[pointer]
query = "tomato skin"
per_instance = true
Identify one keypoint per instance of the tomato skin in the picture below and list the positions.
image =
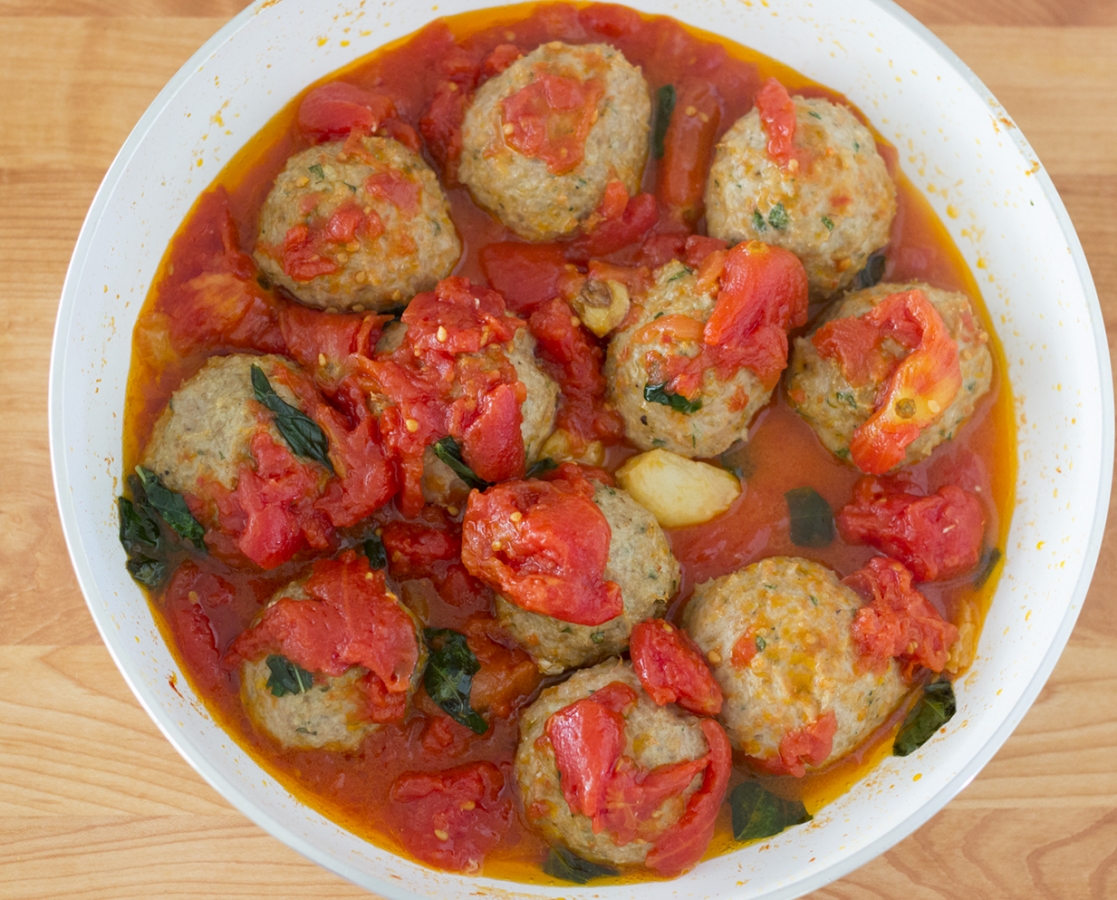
(492, 444)
(194, 634)
(801, 747)
(588, 740)
(526, 275)
(898, 621)
(612, 234)
(936, 537)
(672, 669)
(683, 845)
(687, 148)
(544, 545)
(451, 819)
(349, 618)
(918, 388)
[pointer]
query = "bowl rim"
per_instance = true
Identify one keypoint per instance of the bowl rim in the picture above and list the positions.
(164, 719)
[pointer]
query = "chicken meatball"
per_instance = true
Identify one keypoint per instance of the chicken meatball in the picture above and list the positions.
(838, 374)
(831, 204)
(702, 425)
(653, 736)
(779, 640)
(339, 616)
(499, 537)
(260, 497)
(542, 140)
(356, 225)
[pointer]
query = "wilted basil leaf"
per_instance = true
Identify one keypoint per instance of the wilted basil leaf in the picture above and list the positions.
(172, 508)
(935, 708)
(541, 467)
(665, 105)
(989, 560)
(449, 676)
(147, 571)
(450, 453)
(561, 863)
(287, 677)
(301, 432)
(375, 552)
(655, 393)
(812, 520)
(871, 274)
(758, 813)
(738, 460)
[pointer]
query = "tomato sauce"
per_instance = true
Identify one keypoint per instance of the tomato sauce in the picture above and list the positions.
(782, 452)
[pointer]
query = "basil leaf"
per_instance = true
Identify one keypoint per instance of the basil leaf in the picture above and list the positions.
(812, 520)
(136, 531)
(561, 863)
(935, 708)
(739, 461)
(375, 552)
(871, 274)
(147, 571)
(828, 222)
(172, 508)
(287, 677)
(541, 467)
(301, 432)
(449, 676)
(777, 217)
(655, 393)
(758, 221)
(989, 560)
(758, 813)
(450, 453)
(316, 170)
(665, 105)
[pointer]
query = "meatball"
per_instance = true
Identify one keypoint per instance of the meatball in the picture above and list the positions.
(653, 736)
(544, 192)
(640, 562)
(778, 637)
(717, 415)
(356, 226)
(835, 408)
(333, 712)
(205, 433)
(832, 213)
(441, 485)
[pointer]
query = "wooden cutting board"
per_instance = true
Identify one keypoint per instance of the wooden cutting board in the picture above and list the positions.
(94, 803)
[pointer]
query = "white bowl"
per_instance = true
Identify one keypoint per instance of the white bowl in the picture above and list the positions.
(952, 134)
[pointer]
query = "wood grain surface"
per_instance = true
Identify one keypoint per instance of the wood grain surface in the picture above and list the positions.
(94, 803)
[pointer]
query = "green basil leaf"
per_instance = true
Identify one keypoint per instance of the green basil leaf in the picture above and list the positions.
(449, 676)
(561, 863)
(287, 677)
(777, 217)
(989, 560)
(316, 171)
(758, 813)
(375, 552)
(871, 274)
(450, 453)
(656, 393)
(665, 105)
(758, 221)
(172, 508)
(301, 432)
(138, 531)
(828, 222)
(933, 710)
(541, 467)
(147, 571)
(812, 520)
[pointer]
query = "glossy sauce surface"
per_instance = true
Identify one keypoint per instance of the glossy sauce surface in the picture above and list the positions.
(782, 452)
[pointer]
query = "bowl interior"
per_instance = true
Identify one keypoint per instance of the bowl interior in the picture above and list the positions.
(955, 143)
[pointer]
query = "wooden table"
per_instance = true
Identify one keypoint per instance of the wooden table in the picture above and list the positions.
(94, 803)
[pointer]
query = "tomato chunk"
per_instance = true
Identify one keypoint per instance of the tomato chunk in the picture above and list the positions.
(525, 274)
(451, 819)
(687, 148)
(544, 546)
(898, 621)
(413, 548)
(194, 633)
(937, 536)
(918, 389)
(777, 116)
(337, 108)
(672, 669)
(616, 231)
(802, 747)
(550, 119)
(348, 618)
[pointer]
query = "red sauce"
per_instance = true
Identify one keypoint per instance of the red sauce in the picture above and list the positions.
(207, 604)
